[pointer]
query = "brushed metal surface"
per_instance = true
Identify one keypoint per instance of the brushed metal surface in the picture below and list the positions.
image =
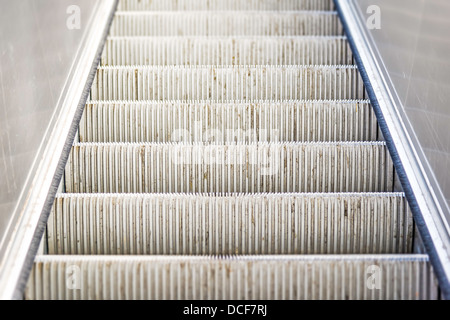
(39, 49)
(36, 55)
(405, 66)
(413, 45)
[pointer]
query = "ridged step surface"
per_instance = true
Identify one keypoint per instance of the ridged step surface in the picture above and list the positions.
(269, 167)
(203, 121)
(340, 277)
(228, 83)
(227, 51)
(202, 224)
(227, 23)
(208, 5)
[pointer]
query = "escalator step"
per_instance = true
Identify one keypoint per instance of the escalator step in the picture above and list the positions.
(228, 122)
(216, 5)
(228, 83)
(233, 278)
(274, 167)
(168, 224)
(227, 51)
(226, 23)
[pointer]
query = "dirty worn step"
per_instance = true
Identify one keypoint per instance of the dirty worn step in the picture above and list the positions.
(303, 277)
(231, 83)
(259, 167)
(227, 51)
(215, 224)
(213, 5)
(226, 23)
(200, 121)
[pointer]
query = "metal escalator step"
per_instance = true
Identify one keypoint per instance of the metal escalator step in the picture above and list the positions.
(227, 152)
(197, 5)
(263, 167)
(227, 51)
(228, 83)
(227, 23)
(233, 278)
(205, 224)
(228, 122)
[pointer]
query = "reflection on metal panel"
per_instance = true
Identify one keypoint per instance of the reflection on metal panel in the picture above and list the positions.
(37, 51)
(414, 44)
(402, 58)
(41, 45)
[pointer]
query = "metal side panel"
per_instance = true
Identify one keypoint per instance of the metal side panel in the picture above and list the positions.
(324, 277)
(49, 51)
(426, 199)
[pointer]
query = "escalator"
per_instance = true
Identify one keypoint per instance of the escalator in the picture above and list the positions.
(228, 150)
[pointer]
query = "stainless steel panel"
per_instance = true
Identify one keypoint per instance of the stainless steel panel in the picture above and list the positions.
(413, 45)
(40, 44)
(37, 52)
(405, 59)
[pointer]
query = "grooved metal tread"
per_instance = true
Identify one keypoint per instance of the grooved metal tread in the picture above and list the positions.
(255, 167)
(226, 23)
(227, 122)
(211, 224)
(223, 83)
(227, 51)
(226, 5)
(337, 277)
